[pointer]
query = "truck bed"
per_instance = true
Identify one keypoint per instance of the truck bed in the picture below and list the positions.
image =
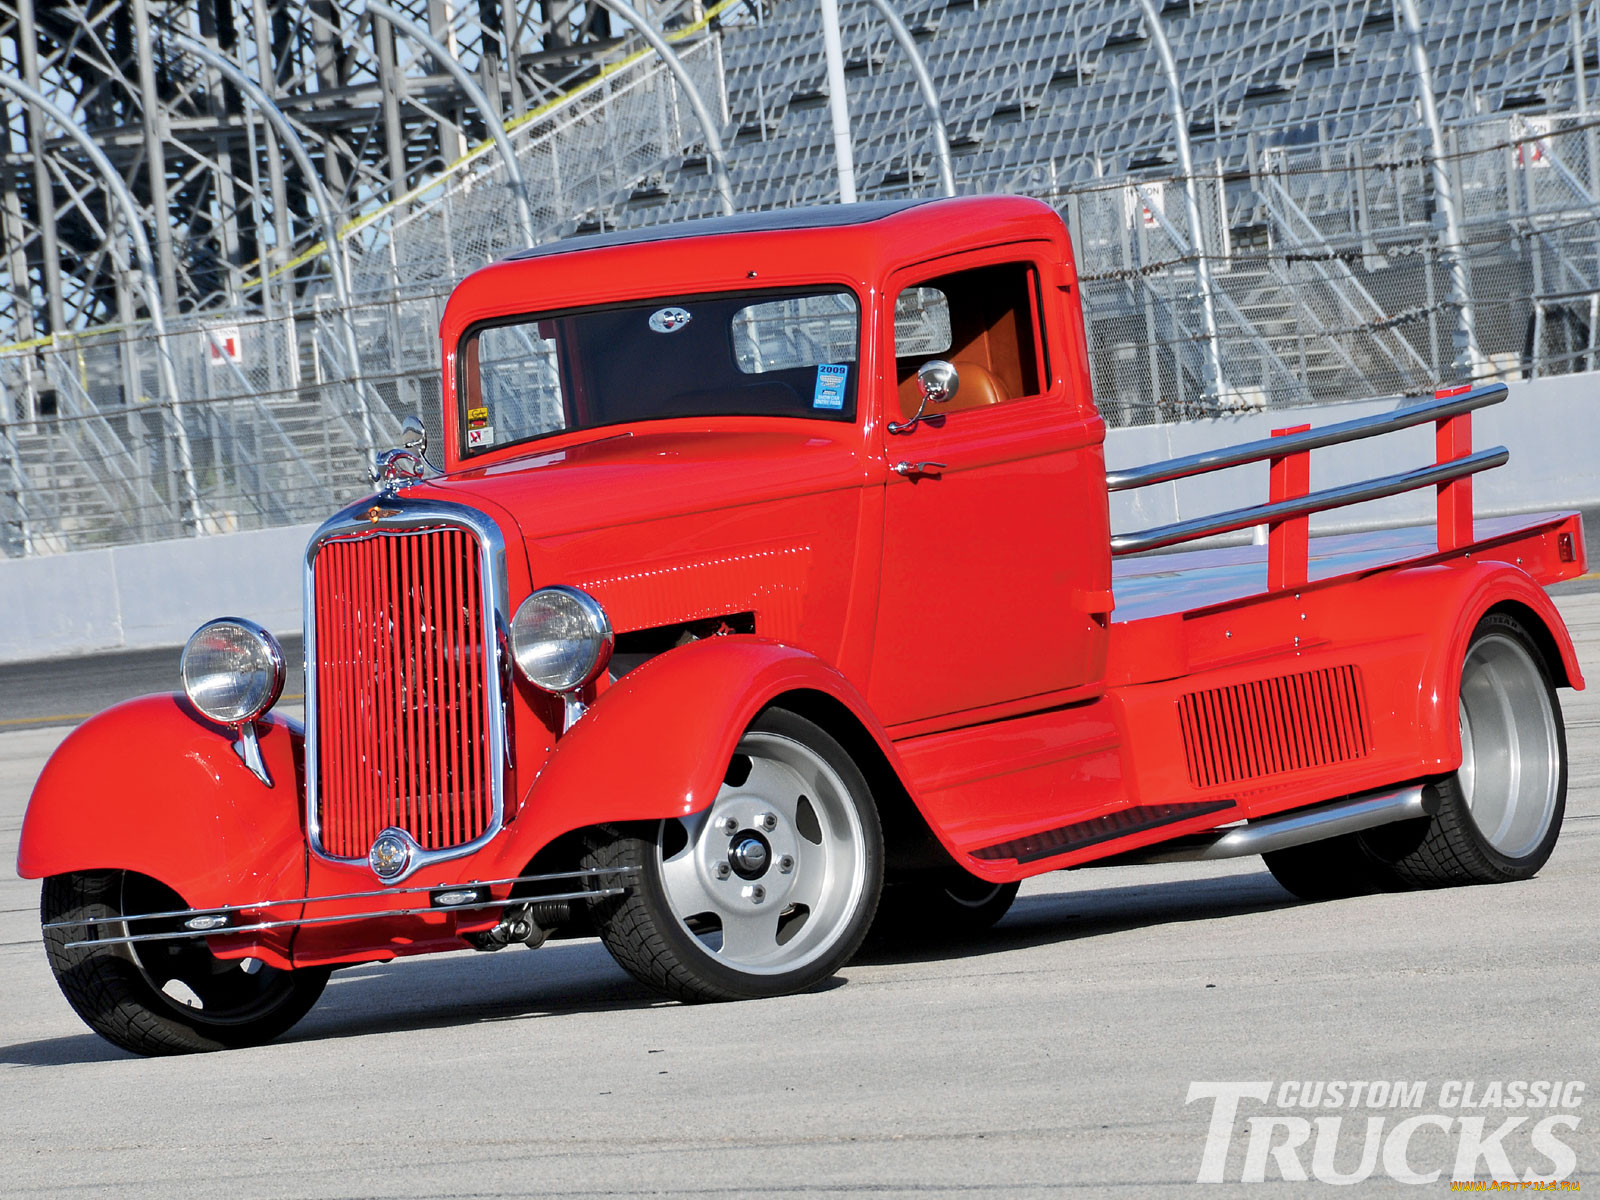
(1158, 585)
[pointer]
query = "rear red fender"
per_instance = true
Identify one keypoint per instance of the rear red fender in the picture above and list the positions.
(1470, 594)
(657, 743)
(151, 786)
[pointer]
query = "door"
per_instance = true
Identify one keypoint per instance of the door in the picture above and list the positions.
(996, 569)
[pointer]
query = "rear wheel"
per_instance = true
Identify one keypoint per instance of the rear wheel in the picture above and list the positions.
(769, 890)
(948, 903)
(1499, 815)
(1332, 869)
(164, 997)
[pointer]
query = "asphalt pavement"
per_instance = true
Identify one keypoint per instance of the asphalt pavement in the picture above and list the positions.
(1054, 1055)
(65, 691)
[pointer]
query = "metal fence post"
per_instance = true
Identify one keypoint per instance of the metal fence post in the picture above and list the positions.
(1180, 132)
(838, 101)
(930, 95)
(147, 277)
(702, 114)
(1468, 358)
(330, 216)
(491, 119)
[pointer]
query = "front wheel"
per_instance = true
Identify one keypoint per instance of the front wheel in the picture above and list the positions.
(161, 997)
(768, 891)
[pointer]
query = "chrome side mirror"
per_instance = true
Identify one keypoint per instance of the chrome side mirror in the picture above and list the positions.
(939, 382)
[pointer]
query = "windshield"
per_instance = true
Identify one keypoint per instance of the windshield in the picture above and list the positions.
(770, 354)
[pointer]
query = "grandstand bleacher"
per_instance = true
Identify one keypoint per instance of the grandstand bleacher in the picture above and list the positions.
(1319, 223)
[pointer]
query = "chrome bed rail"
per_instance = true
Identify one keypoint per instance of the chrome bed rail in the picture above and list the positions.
(1291, 502)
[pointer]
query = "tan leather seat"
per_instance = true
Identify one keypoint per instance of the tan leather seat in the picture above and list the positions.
(979, 387)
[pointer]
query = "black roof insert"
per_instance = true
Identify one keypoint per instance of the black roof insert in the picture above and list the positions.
(818, 216)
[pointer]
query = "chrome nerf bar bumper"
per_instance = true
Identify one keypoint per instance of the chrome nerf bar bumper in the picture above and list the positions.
(217, 922)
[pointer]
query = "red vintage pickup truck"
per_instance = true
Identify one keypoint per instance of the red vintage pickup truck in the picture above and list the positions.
(768, 573)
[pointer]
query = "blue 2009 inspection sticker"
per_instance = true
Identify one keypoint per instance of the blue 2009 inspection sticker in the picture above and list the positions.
(830, 385)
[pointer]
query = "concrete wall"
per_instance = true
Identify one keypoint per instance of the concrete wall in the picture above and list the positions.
(149, 595)
(1550, 426)
(156, 594)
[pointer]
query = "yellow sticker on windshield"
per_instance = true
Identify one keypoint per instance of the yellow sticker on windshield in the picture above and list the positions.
(477, 416)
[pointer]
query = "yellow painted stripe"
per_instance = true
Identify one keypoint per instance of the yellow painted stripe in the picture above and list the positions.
(316, 249)
(65, 335)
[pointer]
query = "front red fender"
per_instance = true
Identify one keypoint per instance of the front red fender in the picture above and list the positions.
(1469, 593)
(657, 743)
(150, 786)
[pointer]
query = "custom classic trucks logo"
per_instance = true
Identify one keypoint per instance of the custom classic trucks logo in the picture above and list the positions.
(1488, 1136)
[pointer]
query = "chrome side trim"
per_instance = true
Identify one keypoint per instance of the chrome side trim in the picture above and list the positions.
(399, 516)
(1287, 829)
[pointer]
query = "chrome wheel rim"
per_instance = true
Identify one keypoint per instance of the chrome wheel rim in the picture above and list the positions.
(768, 879)
(1510, 774)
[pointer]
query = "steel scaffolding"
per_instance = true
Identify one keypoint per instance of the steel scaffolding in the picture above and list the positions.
(213, 319)
(228, 210)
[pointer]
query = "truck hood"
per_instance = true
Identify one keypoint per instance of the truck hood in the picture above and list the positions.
(632, 476)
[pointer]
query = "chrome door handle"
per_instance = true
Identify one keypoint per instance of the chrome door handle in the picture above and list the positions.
(912, 469)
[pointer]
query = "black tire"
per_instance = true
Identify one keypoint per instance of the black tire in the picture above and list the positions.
(1333, 869)
(951, 903)
(837, 851)
(1504, 672)
(118, 989)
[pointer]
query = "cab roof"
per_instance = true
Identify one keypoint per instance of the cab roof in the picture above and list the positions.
(854, 244)
(817, 216)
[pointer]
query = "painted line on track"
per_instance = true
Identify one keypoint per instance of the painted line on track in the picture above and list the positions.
(73, 718)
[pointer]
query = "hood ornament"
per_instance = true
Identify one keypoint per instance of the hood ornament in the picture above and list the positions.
(404, 466)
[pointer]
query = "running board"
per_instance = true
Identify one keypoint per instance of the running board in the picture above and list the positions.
(1288, 829)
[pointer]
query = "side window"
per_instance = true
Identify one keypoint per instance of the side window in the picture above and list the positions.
(512, 381)
(986, 322)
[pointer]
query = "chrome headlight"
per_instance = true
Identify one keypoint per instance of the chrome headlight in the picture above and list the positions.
(561, 638)
(232, 670)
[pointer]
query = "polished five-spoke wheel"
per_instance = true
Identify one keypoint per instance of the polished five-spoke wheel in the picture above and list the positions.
(1497, 816)
(1500, 813)
(768, 890)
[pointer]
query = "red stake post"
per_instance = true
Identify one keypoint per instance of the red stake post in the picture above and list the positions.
(1289, 539)
(1453, 439)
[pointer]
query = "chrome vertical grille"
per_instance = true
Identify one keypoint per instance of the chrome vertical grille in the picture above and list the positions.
(404, 703)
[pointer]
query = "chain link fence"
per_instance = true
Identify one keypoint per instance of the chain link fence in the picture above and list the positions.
(1325, 280)
(272, 424)
(1328, 275)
